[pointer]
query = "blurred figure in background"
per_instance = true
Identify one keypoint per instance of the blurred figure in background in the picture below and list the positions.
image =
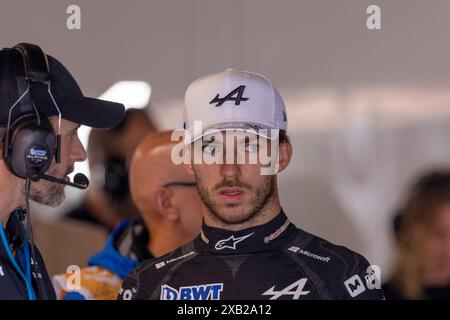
(171, 215)
(422, 229)
(108, 201)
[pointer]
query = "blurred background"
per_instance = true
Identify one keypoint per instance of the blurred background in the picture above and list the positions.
(368, 110)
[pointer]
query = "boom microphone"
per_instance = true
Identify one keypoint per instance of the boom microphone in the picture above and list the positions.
(80, 181)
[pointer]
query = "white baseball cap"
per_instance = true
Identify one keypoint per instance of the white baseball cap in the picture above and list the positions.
(233, 100)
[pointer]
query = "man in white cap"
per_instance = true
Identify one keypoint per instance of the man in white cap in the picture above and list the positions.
(247, 248)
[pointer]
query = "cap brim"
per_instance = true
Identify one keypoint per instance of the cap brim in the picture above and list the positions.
(260, 130)
(95, 113)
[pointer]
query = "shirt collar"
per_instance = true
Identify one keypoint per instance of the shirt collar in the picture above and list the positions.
(14, 232)
(254, 239)
(132, 240)
(14, 229)
(125, 248)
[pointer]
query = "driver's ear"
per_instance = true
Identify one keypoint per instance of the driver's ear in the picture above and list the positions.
(285, 155)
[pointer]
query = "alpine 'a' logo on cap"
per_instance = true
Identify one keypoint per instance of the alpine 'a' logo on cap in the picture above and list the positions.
(235, 95)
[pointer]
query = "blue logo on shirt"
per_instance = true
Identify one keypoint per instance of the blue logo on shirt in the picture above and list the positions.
(201, 292)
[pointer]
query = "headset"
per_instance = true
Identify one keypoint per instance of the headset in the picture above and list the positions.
(30, 142)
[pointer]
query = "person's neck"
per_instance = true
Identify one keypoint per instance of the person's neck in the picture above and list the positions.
(10, 195)
(266, 214)
(165, 238)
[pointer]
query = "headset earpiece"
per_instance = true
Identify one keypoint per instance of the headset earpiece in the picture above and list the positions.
(31, 145)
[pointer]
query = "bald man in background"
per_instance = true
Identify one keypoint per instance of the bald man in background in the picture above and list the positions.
(171, 216)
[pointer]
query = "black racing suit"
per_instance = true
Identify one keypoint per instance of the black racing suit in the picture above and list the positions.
(272, 261)
(19, 274)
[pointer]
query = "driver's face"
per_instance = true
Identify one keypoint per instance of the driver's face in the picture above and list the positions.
(234, 193)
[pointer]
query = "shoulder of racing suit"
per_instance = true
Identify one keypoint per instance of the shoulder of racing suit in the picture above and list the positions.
(343, 273)
(137, 285)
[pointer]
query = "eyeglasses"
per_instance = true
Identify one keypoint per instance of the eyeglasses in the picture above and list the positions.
(180, 184)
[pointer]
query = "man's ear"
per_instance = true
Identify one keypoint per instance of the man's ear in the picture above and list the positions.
(285, 155)
(164, 205)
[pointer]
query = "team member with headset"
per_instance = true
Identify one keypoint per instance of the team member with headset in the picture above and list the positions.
(41, 108)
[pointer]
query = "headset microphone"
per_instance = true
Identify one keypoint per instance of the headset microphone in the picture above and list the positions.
(80, 181)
